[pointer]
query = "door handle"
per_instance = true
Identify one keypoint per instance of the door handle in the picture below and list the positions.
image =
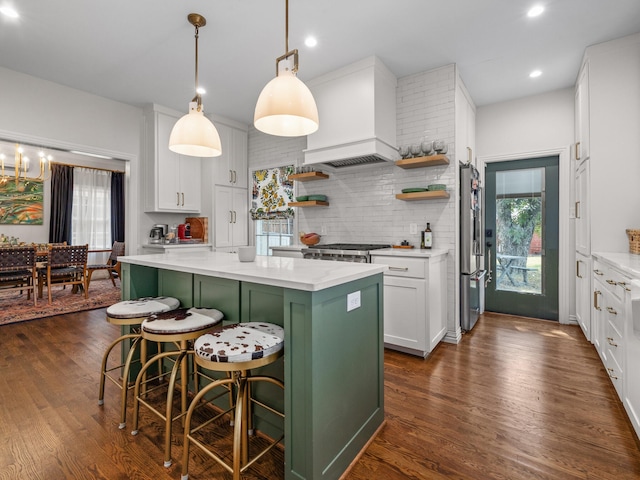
(235, 177)
(595, 299)
(183, 199)
(230, 176)
(576, 213)
(578, 269)
(234, 216)
(177, 199)
(230, 216)
(577, 150)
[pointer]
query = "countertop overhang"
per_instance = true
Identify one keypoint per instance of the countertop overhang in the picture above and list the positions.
(295, 273)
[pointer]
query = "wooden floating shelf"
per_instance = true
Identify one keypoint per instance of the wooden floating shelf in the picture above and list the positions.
(309, 203)
(417, 162)
(307, 176)
(436, 194)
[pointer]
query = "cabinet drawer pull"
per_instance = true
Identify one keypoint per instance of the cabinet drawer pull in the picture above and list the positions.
(624, 285)
(612, 282)
(598, 272)
(399, 269)
(610, 372)
(611, 342)
(611, 311)
(595, 299)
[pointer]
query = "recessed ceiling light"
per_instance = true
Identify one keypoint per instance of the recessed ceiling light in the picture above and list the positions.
(535, 74)
(201, 90)
(535, 11)
(310, 41)
(9, 12)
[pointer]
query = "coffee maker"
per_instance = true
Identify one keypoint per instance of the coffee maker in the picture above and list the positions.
(158, 233)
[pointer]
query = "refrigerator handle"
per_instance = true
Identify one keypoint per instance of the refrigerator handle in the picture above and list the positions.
(489, 270)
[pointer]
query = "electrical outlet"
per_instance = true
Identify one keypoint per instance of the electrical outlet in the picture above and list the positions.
(413, 228)
(353, 301)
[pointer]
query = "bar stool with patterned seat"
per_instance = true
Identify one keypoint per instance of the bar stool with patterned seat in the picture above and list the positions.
(130, 313)
(236, 350)
(179, 327)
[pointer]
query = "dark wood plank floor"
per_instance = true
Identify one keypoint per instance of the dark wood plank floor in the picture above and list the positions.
(517, 399)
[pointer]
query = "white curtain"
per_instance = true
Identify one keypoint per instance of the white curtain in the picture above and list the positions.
(91, 215)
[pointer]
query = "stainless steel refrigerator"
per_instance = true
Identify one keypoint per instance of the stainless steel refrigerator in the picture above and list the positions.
(471, 241)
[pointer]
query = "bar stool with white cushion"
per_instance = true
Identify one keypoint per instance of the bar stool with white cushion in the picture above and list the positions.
(179, 327)
(236, 349)
(130, 313)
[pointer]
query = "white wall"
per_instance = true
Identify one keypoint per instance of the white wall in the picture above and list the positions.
(45, 113)
(528, 124)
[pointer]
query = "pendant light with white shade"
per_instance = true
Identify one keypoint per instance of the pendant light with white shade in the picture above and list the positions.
(194, 134)
(286, 107)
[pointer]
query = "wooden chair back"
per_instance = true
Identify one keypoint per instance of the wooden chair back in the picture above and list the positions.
(18, 269)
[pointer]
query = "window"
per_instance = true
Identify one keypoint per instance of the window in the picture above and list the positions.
(273, 233)
(91, 212)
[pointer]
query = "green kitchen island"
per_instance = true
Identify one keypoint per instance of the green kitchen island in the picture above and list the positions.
(333, 362)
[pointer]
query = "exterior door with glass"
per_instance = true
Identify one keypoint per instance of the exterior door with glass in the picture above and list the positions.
(521, 208)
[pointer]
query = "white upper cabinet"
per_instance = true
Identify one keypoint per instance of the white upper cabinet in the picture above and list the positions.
(231, 207)
(171, 181)
(231, 167)
(582, 127)
(465, 125)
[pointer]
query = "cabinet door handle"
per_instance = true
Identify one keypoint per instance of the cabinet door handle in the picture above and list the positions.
(577, 150)
(611, 342)
(177, 199)
(578, 269)
(230, 216)
(576, 213)
(612, 311)
(230, 176)
(610, 372)
(234, 216)
(183, 199)
(598, 272)
(469, 154)
(399, 269)
(595, 299)
(235, 177)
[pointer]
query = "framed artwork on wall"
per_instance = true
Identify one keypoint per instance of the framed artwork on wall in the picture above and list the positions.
(21, 202)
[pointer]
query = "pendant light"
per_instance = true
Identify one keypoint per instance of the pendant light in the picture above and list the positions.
(194, 134)
(286, 107)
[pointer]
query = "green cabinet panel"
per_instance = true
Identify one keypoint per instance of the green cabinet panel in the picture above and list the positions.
(335, 368)
(176, 284)
(219, 293)
(138, 281)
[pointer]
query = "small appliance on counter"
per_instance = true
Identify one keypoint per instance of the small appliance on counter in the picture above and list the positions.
(184, 231)
(158, 233)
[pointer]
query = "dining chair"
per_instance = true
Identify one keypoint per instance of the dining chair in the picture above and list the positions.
(112, 265)
(18, 270)
(66, 265)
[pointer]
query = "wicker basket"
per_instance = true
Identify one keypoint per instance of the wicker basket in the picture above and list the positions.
(634, 240)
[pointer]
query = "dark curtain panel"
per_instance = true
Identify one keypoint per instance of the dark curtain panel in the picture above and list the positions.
(117, 206)
(61, 203)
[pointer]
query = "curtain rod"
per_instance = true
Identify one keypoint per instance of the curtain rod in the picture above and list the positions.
(92, 168)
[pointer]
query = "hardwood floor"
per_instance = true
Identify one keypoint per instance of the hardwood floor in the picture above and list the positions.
(517, 399)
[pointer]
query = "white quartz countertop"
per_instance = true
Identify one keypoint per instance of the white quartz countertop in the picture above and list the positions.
(628, 263)
(295, 273)
(409, 252)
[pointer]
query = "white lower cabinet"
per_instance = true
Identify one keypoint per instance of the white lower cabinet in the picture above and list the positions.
(231, 218)
(415, 312)
(583, 292)
(619, 312)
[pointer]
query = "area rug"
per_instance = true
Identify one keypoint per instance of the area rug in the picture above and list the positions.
(15, 307)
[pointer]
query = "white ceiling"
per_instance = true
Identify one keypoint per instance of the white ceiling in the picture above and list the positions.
(142, 51)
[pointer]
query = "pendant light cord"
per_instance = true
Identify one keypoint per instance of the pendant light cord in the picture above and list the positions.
(286, 26)
(197, 98)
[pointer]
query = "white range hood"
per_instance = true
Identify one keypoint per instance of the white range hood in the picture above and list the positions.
(357, 110)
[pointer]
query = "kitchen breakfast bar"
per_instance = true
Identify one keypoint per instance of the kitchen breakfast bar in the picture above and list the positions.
(333, 356)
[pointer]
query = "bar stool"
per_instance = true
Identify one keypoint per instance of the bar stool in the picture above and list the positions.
(130, 313)
(179, 327)
(236, 350)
